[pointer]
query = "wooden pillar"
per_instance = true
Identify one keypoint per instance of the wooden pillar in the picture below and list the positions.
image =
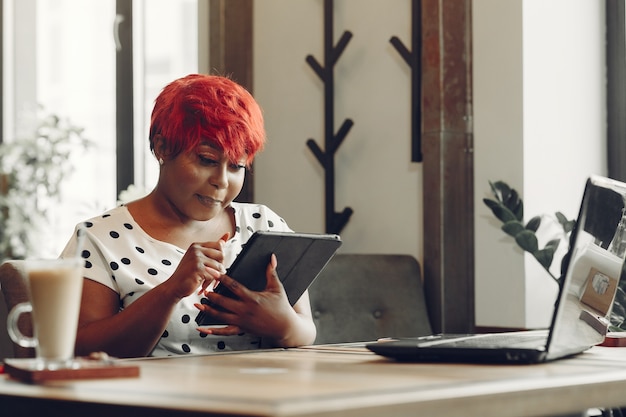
(448, 164)
(230, 43)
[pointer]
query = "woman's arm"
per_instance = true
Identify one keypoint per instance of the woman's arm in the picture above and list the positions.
(135, 330)
(302, 330)
(131, 332)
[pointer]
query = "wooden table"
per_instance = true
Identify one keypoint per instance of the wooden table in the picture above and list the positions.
(320, 382)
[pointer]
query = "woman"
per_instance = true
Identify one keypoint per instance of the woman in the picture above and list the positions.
(148, 263)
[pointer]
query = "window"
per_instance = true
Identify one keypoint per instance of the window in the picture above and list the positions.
(165, 44)
(61, 57)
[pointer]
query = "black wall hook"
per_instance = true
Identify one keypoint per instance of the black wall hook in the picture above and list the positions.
(335, 221)
(414, 60)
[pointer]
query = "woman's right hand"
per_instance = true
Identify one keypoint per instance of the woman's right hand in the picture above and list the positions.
(200, 265)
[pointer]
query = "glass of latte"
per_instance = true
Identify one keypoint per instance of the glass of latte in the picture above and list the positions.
(55, 288)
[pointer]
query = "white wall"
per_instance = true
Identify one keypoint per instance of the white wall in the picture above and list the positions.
(538, 124)
(498, 155)
(539, 109)
(374, 175)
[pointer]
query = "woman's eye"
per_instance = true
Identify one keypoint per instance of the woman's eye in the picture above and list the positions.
(206, 160)
(237, 167)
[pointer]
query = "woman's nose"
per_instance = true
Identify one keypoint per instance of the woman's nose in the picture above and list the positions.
(219, 176)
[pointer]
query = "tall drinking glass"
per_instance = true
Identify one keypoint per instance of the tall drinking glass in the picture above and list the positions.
(55, 289)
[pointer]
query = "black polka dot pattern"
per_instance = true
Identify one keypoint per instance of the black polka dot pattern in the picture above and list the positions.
(85, 255)
(119, 254)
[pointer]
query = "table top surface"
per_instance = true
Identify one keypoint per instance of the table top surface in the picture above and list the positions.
(333, 381)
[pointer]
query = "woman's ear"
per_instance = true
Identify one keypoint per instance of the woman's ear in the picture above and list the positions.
(159, 147)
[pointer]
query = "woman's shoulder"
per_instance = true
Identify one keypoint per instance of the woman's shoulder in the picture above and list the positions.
(114, 214)
(249, 207)
(258, 216)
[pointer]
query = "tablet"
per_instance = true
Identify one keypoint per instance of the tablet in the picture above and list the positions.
(301, 257)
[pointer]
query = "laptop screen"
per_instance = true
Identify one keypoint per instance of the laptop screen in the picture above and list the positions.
(592, 269)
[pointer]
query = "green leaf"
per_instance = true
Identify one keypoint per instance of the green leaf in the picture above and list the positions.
(512, 200)
(568, 225)
(534, 223)
(503, 214)
(527, 241)
(514, 203)
(561, 217)
(490, 203)
(519, 211)
(508, 197)
(544, 256)
(512, 227)
(501, 190)
(553, 244)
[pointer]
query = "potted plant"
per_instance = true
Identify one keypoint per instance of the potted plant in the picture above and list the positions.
(508, 207)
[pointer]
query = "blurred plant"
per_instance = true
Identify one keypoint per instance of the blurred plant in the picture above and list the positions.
(508, 207)
(31, 172)
(131, 193)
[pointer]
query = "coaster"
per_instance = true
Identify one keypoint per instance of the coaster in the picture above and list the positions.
(615, 339)
(30, 370)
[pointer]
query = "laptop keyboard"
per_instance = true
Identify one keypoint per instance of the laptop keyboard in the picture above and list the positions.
(521, 340)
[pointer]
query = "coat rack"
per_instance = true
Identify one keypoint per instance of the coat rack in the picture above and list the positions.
(414, 60)
(335, 221)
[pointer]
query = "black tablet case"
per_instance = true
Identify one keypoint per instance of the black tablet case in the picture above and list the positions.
(301, 257)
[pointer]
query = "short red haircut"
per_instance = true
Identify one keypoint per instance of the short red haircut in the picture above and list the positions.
(209, 107)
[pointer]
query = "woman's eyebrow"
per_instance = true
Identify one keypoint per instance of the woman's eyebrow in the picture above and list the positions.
(208, 143)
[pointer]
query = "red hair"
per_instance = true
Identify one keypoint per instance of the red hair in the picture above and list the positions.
(208, 107)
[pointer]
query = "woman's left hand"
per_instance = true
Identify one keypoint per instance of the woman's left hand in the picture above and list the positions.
(264, 313)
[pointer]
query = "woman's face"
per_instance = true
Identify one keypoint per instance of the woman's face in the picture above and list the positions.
(201, 182)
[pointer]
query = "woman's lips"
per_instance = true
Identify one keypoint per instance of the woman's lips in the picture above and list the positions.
(208, 201)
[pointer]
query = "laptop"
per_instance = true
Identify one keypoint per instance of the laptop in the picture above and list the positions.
(591, 270)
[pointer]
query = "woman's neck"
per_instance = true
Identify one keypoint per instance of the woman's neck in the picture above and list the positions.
(177, 230)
